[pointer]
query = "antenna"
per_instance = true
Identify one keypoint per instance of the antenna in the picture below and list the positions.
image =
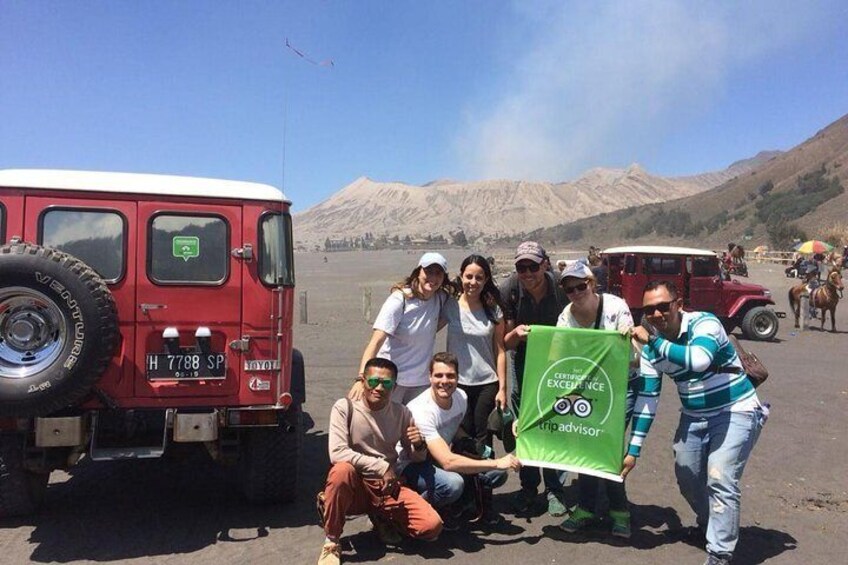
(302, 55)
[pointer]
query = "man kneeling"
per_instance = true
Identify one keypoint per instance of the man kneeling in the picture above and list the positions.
(438, 413)
(362, 441)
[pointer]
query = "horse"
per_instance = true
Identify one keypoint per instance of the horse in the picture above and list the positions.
(825, 297)
(737, 254)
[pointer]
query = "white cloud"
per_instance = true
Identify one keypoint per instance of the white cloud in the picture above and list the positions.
(598, 82)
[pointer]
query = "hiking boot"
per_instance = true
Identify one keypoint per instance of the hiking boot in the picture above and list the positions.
(331, 554)
(555, 506)
(620, 523)
(523, 500)
(578, 520)
(386, 530)
(716, 560)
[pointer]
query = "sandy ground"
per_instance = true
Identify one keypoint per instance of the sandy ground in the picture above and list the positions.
(795, 499)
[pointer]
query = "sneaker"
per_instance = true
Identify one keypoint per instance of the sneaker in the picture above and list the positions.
(620, 523)
(578, 520)
(331, 554)
(523, 500)
(555, 506)
(386, 531)
(716, 560)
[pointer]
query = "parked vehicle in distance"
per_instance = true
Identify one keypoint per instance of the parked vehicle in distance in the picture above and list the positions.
(140, 313)
(697, 274)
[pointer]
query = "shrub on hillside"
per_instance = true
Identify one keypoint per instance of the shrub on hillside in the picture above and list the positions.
(783, 234)
(811, 190)
(835, 234)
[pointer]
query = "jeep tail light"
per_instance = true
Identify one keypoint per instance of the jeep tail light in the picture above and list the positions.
(285, 400)
(171, 337)
(252, 417)
(203, 337)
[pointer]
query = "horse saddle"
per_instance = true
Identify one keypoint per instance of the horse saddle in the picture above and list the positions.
(814, 292)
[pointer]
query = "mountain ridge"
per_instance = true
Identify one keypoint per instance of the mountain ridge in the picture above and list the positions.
(489, 209)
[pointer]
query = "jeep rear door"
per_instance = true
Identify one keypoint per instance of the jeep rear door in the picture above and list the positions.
(101, 233)
(267, 305)
(188, 282)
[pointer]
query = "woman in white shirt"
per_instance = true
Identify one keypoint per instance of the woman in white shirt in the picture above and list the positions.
(405, 329)
(476, 336)
(591, 310)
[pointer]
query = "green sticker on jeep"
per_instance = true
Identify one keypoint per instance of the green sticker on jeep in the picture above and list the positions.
(186, 247)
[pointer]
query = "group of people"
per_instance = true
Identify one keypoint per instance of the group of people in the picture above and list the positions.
(411, 444)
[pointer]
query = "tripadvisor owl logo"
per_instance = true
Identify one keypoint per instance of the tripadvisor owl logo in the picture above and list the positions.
(579, 393)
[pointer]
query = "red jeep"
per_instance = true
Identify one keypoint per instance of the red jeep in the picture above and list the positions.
(145, 314)
(697, 274)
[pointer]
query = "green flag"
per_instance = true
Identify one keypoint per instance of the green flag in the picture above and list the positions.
(573, 401)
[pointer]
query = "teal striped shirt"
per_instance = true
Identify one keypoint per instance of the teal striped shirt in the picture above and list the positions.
(694, 361)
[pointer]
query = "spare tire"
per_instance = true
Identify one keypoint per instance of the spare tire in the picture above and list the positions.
(58, 329)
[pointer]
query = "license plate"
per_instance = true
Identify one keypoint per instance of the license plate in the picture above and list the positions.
(186, 366)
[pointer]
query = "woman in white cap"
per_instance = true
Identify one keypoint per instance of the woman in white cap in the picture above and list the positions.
(405, 328)
(590, 310)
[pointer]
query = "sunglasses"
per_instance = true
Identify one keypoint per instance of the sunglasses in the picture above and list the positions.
(374, 382)
(661, 307)
(532, 267)
(576, 288)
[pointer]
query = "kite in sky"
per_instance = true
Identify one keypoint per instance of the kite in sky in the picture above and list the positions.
(302, 55)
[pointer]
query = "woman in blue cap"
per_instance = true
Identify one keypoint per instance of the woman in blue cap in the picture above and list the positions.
(405, 328)
(589, 309)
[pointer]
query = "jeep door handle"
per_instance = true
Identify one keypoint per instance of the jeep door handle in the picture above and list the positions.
(146, 308)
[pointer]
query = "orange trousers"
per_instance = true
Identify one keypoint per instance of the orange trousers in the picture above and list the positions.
(347, 493)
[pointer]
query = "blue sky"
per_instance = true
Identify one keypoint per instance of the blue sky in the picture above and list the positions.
(418, 90)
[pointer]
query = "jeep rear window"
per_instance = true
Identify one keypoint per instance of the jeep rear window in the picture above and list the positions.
(95, 237)
(2, 223)
(188, 249)
(276, 263)
(661, 265)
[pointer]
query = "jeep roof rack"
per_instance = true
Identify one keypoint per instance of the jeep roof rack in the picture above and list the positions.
(57, 179)
(660, 250)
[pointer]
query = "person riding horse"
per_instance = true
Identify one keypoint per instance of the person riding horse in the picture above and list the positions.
(812, 282)
(826, 296)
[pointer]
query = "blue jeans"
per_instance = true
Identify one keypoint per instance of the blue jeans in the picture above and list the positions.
(441, 488)
(437, 486)
(709, 457)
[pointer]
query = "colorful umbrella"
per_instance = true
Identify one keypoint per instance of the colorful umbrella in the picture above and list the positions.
(813, 246)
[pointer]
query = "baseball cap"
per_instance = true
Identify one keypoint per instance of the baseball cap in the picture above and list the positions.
(432, 258)
(577, 270)
(531, 251)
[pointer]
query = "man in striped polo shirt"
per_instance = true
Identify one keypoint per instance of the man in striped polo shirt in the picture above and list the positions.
(721, 416)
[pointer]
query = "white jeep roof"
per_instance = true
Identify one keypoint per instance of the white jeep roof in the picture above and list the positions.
(659, 250)
(55, 179)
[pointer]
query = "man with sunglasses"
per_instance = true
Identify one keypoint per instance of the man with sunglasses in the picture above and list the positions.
(532, 297)
(363, 435)
(438, 413)
(721, 416)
